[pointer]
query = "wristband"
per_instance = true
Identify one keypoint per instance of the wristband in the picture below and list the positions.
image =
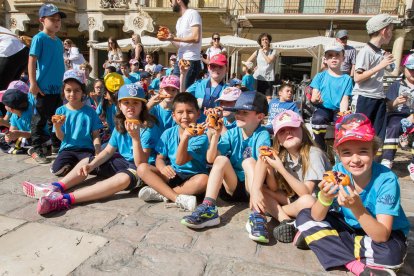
(326, 204)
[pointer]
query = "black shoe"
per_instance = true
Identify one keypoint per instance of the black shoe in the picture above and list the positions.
(299, 241)
(285, 231)
(377, 271)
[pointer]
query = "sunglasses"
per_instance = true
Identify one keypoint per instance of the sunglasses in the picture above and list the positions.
(344, 38)
(216, 38)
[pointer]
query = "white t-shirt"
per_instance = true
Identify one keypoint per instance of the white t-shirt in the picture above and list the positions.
(212, 51)
(188, 51)
(9, 45)
(75, 57)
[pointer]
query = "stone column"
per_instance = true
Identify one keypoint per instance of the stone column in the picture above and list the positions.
(397, 48)
(93, 53)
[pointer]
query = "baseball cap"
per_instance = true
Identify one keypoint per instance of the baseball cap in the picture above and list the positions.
(158, 68)
(131, 91)
(133, 61)
(73, 74)
(287, 118)
(49, 10)
(173, 57)
(17, 84)
(341, 33)
(170, 81)
(353, 127)
(230, 94)
(248, 64)
(378, 22)
(251, 101)
(219, 59)
(335, 47)
(113, 81)
(15, 99)
(409, 62)
(144, 75)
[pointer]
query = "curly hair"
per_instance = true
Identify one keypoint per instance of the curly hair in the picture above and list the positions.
(259, 39)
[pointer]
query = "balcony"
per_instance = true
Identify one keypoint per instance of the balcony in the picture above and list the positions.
(344, 7)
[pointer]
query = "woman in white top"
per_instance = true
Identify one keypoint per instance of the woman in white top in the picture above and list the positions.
(73, 58)
(115, 57)
(216, 48)
(264, 72)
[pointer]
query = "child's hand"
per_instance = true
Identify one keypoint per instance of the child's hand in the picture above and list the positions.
(349, 198)
(257, 201)
(85, 170)
(328, 190)
(155, 100)
(316, 97)
(411, 118)
(273, 161)
(387, 60)
(168, 172)
(399, 100)
(132, 129)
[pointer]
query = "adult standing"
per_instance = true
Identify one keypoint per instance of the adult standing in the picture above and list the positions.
(264, 71)
(215, 48)
(138, 52)
(115, 57)
(73, 58)
(348, 65)
(188, 41)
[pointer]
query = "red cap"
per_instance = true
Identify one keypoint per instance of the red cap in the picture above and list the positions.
(353, 127)
(219, 59)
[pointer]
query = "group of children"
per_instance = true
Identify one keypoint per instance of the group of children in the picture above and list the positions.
(169, 147)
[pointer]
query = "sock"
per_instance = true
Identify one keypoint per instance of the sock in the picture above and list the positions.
(355, 267)
(209, 201)
(70, 198)
(60, 185)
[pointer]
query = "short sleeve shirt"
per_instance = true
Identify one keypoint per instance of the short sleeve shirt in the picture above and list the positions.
(164, 117)
(188, 51)
(248, 82)
(110, 114)
(349, 59)
(276, 107)
(397, 89)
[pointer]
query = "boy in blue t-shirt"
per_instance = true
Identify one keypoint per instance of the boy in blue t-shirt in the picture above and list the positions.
(330, 94)
(234, 156)
(248, 79)
(283, 103)
(128, 78)
(180, 171)
(46, 68)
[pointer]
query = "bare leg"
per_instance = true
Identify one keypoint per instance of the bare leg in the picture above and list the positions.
(249, 165)
(273, 205)
(303, 202)
(222, 170)
(73, 178)
(193, 186)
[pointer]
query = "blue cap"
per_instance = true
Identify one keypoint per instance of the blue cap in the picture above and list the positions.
(132, 91)
(49, 10)
(75, 75)
(158, 68)
(144, 75)
(251, 101)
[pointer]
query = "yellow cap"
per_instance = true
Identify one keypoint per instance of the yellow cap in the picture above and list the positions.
(113, 81)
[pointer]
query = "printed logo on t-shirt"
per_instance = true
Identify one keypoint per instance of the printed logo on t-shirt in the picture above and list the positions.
(247, 153)
(387, 199)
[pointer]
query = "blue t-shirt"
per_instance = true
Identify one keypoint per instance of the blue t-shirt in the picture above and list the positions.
(78, 127)
(137, 76)
(168, 71)
(332, 88)
(50, 65)
(380, 196)
(248, 82)
(110, 114)
(123, 142)
(197, 148)
(155, 84)
(233, 145)
(229, 125)
(276, 107)
(164, 117)
(131, 79)
(23, 122)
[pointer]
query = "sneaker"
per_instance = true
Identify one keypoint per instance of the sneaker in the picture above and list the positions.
(148, 194)
(55, 150)
(410, 168)
(300, 242)
(203, 216)
(186, 202)
(38, 190)
(256, 227)
(52, 202)
(387, 163)
(377, 271)
(40, 158)
(285, 231)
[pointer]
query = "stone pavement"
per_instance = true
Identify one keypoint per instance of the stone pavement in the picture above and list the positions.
(125, 236)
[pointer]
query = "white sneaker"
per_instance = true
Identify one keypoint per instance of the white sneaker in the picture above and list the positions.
(149, 194)
(410, 168)
(186, 202)
(387, 163)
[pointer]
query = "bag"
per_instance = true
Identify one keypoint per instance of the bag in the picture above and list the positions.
(26, 40)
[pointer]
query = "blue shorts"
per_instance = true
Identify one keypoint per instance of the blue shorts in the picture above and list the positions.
(66, 160)
(180, 179)
(239, 195)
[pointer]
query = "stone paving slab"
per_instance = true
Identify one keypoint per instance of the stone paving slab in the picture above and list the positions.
(40, 249)
(8, 224)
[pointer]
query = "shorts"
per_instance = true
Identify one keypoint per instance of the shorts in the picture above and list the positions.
(180, 178)
(66, 160)
(265, 87)
(118, 164)
(239, 195)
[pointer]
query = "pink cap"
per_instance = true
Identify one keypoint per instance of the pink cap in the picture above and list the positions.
(170, 81)
(173, 57)
(287, 118)
(230, 94)
(17, 84)
(219, 59)
(133, 61)
(353, 127)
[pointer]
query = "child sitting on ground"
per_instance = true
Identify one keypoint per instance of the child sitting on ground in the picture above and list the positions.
(128, 78)
(233, 156)
(180, 171)
(368, 232)
(228, 98)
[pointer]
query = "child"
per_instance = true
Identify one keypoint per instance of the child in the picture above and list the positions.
(173, 60)
(107, 108)
(150, 66)
(368, 94)
(291, 174)
(158, 73)
(135, 144)
(95, 96)
(128, 78)
(46, 68)
(135, 69)
(86, 68)
(283, 103)
(400, 100)
(330, 94)
(228, 98)
(162, 108)
(370, 228)
(180, 171)
(248, 79)
(233, 156)
(79, 130)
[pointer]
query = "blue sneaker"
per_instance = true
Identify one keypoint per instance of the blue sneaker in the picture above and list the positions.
(257, 227)
(203, 216)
